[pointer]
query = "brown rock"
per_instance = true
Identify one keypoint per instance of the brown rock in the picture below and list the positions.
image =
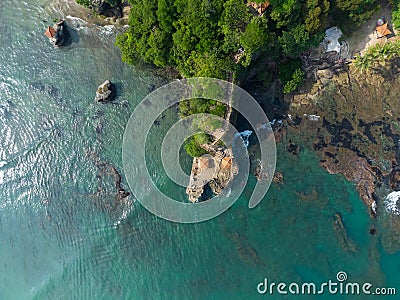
(354, 168)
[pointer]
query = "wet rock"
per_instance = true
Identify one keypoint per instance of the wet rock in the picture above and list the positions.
(105, 92)
(340, 230)
(293, 148)
(354, 168)
(57, 34)
(372, 230)
(278, 177)
(394, 178)
(325, 76)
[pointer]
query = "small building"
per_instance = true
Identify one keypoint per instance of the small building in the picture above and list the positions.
(382, 30)
(226, 163)
(205, 163)
(50, 32)
(259, 7)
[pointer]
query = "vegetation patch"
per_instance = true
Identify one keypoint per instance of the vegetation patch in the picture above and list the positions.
(377, 55)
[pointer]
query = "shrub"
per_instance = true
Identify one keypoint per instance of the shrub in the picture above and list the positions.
(291, 75)
(192, 144)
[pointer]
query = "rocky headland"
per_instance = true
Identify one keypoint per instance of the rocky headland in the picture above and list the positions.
(57, 34)
(351, 119)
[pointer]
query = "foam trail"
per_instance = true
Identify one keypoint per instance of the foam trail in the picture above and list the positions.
(245, 137)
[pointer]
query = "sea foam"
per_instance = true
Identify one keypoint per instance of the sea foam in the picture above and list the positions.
(245, 137)
(392, 203)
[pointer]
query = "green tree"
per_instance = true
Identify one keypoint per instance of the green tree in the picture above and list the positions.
(357, 10)
(85, 3)
(295, 41)
(294, 82)
(286, 12)
(396, 13)
(291, 75)
(256, 38)
(192, 144)
(317, 15)
(233, 22)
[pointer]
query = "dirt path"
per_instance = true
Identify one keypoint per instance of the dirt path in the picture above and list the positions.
(365, 36)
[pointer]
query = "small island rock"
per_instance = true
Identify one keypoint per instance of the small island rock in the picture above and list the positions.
(105, 92)
(57, 33)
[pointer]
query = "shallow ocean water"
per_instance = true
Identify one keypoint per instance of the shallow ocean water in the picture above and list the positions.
(62, 235)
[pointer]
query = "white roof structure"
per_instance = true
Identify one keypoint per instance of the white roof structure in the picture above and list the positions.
(331, 41)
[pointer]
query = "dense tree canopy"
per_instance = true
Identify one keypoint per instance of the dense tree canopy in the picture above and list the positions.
(213, 38)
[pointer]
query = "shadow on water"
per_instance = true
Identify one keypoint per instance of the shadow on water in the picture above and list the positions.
(71, 36)
(118, 89)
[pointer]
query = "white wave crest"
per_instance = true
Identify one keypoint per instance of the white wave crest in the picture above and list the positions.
(392, 203)
(77, 20)
(245, 136)
(107, 30)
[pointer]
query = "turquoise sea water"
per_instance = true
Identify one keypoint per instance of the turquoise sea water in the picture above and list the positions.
(62, 234)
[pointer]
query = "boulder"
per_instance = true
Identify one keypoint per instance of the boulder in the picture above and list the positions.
(59, 37)
(104, 8)
(105, 92)
(57, 33)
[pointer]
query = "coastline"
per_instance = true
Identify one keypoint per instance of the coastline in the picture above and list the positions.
(70, 9)
(66, 232)
(355, 131)
(343, 133)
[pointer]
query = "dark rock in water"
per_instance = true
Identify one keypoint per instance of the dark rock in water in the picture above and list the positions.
(122, 194)
(46, 88)
(57, 33)
(152, 87)
(293, 148)
(372, 230)
(278, 177)
(105, 92)
(341, 233)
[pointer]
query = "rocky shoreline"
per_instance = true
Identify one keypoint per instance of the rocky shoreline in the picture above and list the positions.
(349, 118)
(100, 15)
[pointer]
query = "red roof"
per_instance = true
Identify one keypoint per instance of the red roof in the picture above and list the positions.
(383, 30)
(50, 32)
(226, 162)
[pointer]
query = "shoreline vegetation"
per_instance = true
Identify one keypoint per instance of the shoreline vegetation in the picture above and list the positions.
(346, 114)
(218, 38)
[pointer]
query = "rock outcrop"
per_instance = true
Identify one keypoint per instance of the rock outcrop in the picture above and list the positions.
(211, 172)
(105, 92)
(109, 12)
(57, 33)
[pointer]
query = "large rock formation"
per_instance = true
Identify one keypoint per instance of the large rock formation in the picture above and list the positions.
(57, 33)
(105, 92)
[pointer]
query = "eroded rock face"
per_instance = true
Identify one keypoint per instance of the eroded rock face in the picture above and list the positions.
(358, 132)
(105, 92)
(355, 168)
(57, 34)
